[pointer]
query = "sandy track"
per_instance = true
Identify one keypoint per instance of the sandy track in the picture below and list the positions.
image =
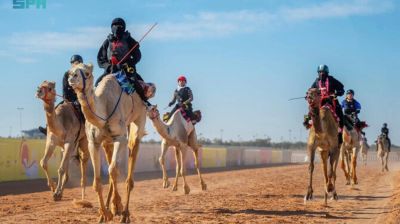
(262, 195)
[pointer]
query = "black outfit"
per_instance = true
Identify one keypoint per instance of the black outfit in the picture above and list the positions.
(184, 97)
(351, 111)
(385, 131)
(68, 92)
(335, 88)
(112, 51)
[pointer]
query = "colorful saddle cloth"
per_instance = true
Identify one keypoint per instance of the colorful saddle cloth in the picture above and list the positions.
(123, 80)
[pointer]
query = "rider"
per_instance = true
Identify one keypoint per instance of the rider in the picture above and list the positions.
(183, 96)
(68, 93)
(114, 49)
(385, 130)
(330, 88)
(351, 109)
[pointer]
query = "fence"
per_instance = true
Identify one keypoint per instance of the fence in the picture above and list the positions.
(19, 159)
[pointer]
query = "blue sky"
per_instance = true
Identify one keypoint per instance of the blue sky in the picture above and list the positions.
(243, 59)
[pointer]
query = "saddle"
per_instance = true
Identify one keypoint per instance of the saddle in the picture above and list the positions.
(128, 85)
(195, 119)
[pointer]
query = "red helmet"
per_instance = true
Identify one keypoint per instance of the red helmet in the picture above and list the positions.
(182, 78)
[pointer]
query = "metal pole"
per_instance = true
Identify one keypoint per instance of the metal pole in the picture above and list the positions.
(20, 119)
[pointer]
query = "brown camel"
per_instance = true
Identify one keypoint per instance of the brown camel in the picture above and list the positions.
(324, 137)
(110, 114)
(64, 129)
(348, 154)
(383, 151)
(364, 149)
(181, 135)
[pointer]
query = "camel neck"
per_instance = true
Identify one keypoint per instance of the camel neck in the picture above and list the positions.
(88, 105)
(316, 119)
(51, 118)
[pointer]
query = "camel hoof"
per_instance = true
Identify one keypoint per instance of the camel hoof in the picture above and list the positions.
(166, 184)
(204, 187)
(334, 196)
(105, 216)
(125, 217)
(187, 189)
(116, 210)
(175, 188)
(57, 196)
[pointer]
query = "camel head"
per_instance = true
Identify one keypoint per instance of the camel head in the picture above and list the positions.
(313, 97)
(46, 91)
(153, 112)
(80, 77)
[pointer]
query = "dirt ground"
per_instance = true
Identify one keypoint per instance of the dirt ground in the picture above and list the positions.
(260, 195)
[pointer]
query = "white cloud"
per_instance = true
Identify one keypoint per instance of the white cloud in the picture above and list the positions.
(199, 25)
(337, 9)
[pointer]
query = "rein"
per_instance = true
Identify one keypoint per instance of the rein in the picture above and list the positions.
(87, 101)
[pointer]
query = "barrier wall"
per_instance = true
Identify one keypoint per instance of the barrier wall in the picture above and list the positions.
(251, 157)
(19, 159)
(214, 157)
(234, 157)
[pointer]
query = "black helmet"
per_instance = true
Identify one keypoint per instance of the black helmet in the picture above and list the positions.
(119, 21)
(384, 125)
(323, 68)
(76, 57)
(350, 91)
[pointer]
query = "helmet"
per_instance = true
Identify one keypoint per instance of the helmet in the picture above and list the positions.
(323, 68)
(384, 124)
(119, 21)
(76, 57)
(350, 91)
(182, 78)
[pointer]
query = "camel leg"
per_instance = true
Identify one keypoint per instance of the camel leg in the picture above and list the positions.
(193, 144)
(134, 142)
(386, 161)
(354, 166)
(178, 168)
(83, 157)
(63, 170)
(164, 148)
(196, 163)
(344, 163)
(311, 156)
(49, 150)
(324, 159)
(183, 170)
(120, 143)
(108, 149)
(334, 159)
(105, 214)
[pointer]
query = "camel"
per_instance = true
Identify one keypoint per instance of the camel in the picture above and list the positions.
(110, 115)
(181, 135)
(383, 151)
(364, 149)
(323, 136)
(66, 131)
(348, 154)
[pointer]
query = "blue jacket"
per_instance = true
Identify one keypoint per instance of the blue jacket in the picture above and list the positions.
(350, 107)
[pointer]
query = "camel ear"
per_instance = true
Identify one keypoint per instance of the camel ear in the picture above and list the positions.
(89, 67)
(52, 83)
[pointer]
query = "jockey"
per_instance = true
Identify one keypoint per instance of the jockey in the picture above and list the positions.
(114, 49)
(385, 130)
(68, 93)
(330, 88)
(351, 109)
(183, 96)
